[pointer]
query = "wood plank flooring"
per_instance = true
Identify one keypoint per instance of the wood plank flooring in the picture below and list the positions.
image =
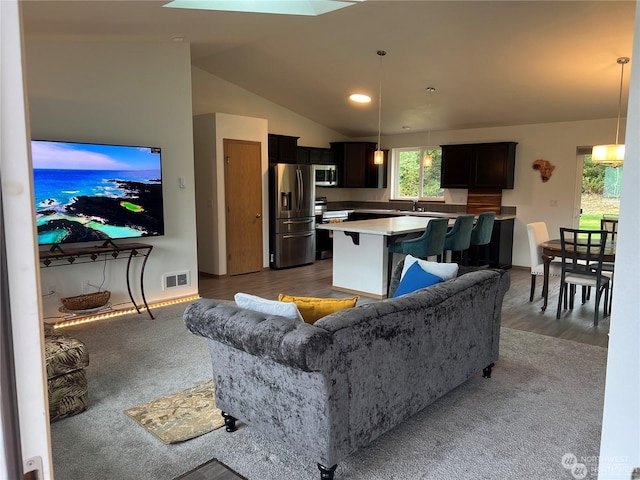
(518, 313)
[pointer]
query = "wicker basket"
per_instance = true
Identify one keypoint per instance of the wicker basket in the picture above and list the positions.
(87, 301)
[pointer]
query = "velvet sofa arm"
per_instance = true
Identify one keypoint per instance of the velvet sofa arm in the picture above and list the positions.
(290, 342)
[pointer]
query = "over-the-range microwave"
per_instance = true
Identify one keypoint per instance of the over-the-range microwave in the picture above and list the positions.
(325, 175)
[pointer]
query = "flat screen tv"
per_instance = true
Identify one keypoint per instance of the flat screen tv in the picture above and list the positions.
(88, 192)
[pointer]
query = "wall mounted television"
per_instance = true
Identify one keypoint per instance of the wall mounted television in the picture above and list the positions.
(88, 192)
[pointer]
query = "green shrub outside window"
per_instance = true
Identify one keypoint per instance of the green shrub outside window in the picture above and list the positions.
(414, 180)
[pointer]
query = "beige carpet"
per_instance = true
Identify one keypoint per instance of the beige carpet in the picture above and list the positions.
(181, 416)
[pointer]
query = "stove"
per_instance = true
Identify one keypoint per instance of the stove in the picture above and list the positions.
(324, 238)
(335, 216)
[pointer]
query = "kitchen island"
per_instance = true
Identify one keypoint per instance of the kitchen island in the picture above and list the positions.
(360, 253)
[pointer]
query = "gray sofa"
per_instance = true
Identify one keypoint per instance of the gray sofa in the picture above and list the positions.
(328, 389)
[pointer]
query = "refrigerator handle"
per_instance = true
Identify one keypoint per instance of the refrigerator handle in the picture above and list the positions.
(300, 189)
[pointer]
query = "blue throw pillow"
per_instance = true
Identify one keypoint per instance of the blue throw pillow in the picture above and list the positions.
(414, 279)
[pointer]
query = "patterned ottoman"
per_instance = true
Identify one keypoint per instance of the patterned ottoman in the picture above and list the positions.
(66, 359)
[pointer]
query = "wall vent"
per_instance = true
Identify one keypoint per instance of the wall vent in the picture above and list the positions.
(176, 279)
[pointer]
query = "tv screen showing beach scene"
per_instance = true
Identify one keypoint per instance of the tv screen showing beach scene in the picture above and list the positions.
(92, 192)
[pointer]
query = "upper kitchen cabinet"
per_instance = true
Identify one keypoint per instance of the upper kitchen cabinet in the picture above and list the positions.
(315, 156)
(321, 156)
(355, 165)
(478, 165)
(283, 149)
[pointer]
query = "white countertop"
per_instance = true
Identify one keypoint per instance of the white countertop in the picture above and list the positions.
(422, 214)
(381, 226)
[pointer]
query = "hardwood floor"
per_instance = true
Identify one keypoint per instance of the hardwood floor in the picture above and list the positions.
(518, 313)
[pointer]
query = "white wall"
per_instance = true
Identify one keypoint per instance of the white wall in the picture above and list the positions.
(212, 94)
(620, 441)
(122, 93)
(209, 132)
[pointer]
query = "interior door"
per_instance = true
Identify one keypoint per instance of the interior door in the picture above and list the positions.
(243, 197)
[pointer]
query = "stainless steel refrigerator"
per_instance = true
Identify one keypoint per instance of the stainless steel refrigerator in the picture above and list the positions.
(292, 233)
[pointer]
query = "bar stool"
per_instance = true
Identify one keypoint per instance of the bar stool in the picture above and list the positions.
(458, 239)
(481, 235)
(429, 244)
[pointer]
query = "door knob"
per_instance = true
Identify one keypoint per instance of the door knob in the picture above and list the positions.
(258, 215)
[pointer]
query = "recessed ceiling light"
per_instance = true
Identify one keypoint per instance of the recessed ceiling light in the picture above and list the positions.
(282, 7)
(406, 127)
(177, 38)
(360, 98)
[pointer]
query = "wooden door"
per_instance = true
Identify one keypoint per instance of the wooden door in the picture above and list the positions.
(243, 198)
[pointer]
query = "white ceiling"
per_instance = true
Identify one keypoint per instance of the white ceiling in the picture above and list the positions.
(492, 63)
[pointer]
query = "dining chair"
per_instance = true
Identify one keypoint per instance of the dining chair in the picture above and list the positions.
(458, 239)
(429, 244)
(538, 234)
(582, 258)
(610, 224)
(481, 236)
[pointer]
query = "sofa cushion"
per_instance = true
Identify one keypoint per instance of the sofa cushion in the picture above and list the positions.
(414, 279)
(446, 271)
(268, 307)
(313, 308)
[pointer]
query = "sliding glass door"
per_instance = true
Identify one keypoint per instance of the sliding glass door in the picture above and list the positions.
(599, 190)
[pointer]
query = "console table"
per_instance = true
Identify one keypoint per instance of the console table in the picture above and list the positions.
(60, 256)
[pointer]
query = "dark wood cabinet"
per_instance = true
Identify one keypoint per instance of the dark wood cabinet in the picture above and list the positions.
(456, 166)
(321, 156)
(478, 165)
(315, 156)
(283, 149)
(304, 155)
(355, 165)
(500, 246)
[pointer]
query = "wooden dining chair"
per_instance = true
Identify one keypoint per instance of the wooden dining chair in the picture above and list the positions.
(610, 224)
(582, 259)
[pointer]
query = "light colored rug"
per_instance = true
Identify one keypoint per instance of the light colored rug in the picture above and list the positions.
(181, 416)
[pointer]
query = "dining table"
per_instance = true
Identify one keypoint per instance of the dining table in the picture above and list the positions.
(553, 248)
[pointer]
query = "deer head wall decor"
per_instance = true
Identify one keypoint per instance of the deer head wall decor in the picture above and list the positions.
(545, 169)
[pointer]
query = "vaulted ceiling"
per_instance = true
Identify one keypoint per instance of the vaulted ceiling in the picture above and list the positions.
(492, 63)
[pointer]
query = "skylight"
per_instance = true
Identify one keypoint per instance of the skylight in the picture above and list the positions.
(280, 7)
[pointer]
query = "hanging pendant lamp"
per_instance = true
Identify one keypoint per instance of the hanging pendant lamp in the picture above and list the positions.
(427, 159)
(378, 156)
(612, 155)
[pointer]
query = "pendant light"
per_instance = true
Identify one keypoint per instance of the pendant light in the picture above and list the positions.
(427, 159)
(612, 155)
(378, 156)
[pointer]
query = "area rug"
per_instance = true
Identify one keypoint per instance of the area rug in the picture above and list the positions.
(181, 416)
(212, 470)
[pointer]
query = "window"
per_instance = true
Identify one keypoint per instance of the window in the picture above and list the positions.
(600, 190)
(411, 179)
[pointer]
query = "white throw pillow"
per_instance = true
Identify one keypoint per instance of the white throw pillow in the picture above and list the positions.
(446, 271)
(268, 307)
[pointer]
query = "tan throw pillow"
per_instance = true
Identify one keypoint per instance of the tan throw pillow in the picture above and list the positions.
(312, 308)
